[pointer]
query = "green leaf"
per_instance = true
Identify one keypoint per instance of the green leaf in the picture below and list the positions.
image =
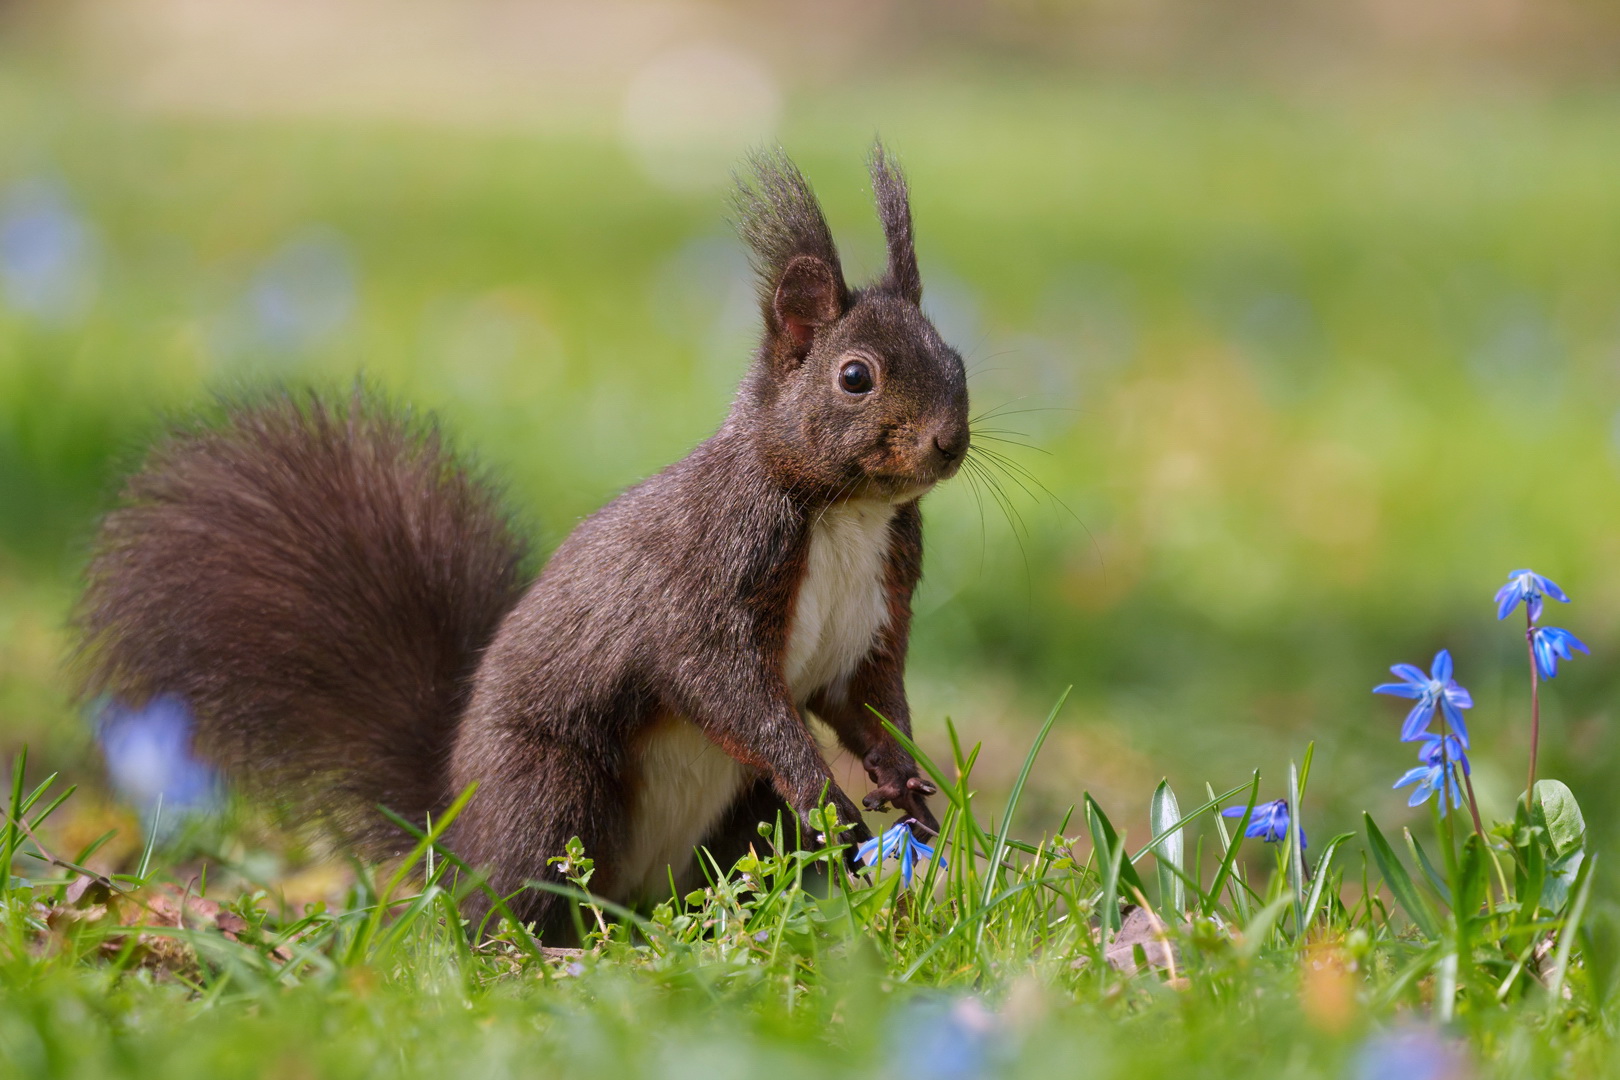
(1555, 809)
(1109, 855)
(1561, 875)
(1473, 879)
(1600, 951)
(1400, 883)
(1168, 849)
(1261, 926)
(1189, 817)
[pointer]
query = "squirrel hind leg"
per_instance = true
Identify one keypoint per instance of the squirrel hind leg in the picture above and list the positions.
(532, 799)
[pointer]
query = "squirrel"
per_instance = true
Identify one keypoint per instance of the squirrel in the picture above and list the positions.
(342, 601)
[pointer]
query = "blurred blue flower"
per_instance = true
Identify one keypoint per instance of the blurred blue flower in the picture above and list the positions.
(1437, 687)
(1550, 644)
(1527, 587)
(148, 754)
(897, 842)
(47, 251)
(305, 292)
(1439, 771)
(945, 1039)
(1417, 1053)
(1269, 823)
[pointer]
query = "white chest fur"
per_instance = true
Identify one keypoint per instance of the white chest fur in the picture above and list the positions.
(842, 604)
(684, 782)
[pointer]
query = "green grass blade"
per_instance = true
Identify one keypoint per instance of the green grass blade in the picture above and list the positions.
(1106, 841)
(1435, 879)
(1112, 860)
(1259, 928)
(955, 791)
(1000, 851)
(1323, 863)
(1400, 883)
(1570, 932)
(1296, 849)
(1233, 844)
(151, 840)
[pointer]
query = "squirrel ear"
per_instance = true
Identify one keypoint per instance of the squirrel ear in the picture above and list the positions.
(894, 211)
(801, 285)
(808, 296)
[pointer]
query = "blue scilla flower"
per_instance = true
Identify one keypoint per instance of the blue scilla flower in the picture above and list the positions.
(1416, 1053)
(1528, 587)
(1436, 688)
(47, 251)
(946, 1039)
(1439, 771)
(1269, 823)
(149, 758)
(896, 842)
(1550, 645)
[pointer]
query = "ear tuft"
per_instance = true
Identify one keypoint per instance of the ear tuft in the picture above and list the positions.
(894, 211)
(792, 248)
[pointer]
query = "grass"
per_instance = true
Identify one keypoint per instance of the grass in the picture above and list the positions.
(1007, 958)
(1311, 375)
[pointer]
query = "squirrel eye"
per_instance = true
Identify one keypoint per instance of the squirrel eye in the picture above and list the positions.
(855, 377)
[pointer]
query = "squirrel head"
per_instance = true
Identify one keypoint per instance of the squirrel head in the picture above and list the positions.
(853, 393)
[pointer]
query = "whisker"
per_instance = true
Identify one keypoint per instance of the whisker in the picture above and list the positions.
(1012, 442)
(1016, 473)
(1014, 470)
(984, 542)
(1014, 518)
(1015, 521)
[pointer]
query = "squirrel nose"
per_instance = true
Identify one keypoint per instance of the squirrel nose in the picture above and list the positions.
(951, 445)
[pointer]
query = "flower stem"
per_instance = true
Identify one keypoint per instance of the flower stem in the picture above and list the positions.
(1445, 791)
(1535, 707)
(1473, 804)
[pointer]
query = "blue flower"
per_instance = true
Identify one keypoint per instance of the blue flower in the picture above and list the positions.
(1416, 1053)
(47, 251)
(946, 1039)
(896, 842)
(1438, 771)
(1269, 823)
(306, 292)
(1550, 644)
(148, 752)
(1528, 587)
(1435, 688)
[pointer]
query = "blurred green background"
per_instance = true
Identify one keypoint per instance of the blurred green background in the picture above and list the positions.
(1310, 321)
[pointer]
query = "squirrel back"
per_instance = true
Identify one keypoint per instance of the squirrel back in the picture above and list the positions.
(317, 580)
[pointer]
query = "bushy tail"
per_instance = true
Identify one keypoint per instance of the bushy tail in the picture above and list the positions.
(317, 581)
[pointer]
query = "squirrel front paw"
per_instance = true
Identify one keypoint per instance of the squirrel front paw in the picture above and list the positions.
(813, 821)
(906, 793)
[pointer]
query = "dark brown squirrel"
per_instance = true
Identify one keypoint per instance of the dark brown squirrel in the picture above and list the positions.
(343, 604)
